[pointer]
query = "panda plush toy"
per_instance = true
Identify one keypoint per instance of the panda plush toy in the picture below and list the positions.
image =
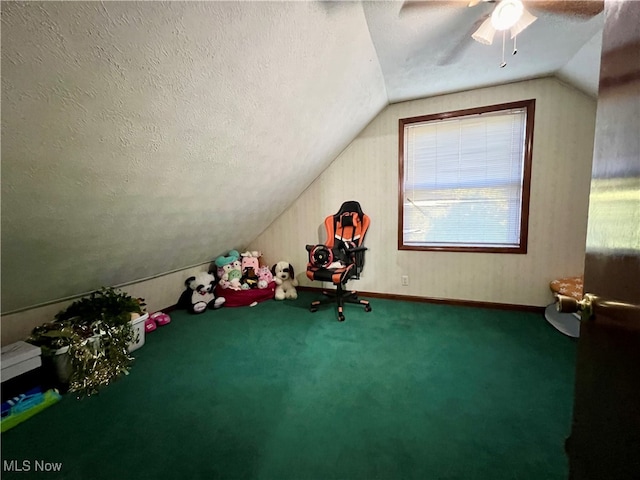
(199, 296)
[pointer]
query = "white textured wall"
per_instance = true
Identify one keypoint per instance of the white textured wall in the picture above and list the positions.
(367, 171)
(159, 293)
(143, 137)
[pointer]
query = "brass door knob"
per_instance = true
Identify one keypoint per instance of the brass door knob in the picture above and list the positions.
(571, 305)
(590, 302)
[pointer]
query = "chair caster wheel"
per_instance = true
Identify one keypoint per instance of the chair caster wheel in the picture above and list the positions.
(313, 309)
(340, 317)
(367, 308)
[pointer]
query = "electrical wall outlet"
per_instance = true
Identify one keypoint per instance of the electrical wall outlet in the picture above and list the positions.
(405, 280)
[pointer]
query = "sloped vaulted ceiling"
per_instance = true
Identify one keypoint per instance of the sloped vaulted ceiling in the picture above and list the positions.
(141, 137)
(144, 137)
(429, 51)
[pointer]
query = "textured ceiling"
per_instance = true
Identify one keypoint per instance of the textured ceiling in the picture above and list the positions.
(143, 137)
(429, 51)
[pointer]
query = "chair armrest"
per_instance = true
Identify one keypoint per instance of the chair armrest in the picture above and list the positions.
(356, 249)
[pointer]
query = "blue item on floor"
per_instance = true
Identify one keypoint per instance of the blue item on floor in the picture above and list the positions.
(22, 402)
(26, 406)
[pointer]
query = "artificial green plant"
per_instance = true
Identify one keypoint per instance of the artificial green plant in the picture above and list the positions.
(97, 331)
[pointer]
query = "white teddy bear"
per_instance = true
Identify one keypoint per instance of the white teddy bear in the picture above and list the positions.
(285, 279)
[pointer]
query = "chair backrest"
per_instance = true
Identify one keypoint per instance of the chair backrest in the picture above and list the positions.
(348, 226)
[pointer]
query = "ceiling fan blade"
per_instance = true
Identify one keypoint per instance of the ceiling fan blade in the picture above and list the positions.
(458, 48)
(577, 8)
(416, 5)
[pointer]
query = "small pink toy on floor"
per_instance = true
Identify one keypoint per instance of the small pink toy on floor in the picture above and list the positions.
(156, 319)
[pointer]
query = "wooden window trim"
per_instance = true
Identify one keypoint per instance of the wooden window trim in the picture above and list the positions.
(529, 105)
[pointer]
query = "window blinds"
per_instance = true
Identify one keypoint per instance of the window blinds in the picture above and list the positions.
(463, 180)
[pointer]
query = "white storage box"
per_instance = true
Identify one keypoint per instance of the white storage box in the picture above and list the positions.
(18, 358)
(138, 332)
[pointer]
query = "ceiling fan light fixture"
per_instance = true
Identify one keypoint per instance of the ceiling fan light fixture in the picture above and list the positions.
(523, 22)
(485, 33)
(506, 14)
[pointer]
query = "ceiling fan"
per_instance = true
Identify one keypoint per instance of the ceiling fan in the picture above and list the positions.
(578, 8)
(510, 15)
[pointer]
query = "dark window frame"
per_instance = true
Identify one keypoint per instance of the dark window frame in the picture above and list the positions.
(521, 248)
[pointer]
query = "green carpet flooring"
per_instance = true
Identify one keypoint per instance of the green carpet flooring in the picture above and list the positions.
(408, 391)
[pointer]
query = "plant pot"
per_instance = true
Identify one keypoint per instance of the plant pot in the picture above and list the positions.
(59, 364)
(62, 366)
(57, 370)
(137, 324)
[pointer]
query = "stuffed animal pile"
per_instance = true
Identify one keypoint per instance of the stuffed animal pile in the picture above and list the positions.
(242, 271)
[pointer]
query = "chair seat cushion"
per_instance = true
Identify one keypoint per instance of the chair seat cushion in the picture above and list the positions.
(333, 275)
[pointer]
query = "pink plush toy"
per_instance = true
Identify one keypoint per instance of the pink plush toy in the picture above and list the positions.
(249, 260)
(265, 277)
(250, 266)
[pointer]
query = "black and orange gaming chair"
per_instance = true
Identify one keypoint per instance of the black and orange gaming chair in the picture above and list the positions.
(341, 257)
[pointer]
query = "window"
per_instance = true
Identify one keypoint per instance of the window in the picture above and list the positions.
(464, 179)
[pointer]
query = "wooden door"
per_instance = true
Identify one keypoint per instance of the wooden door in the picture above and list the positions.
(605, 436)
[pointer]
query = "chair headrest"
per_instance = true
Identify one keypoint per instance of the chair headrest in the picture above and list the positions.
(350, 206)
(346, 220)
